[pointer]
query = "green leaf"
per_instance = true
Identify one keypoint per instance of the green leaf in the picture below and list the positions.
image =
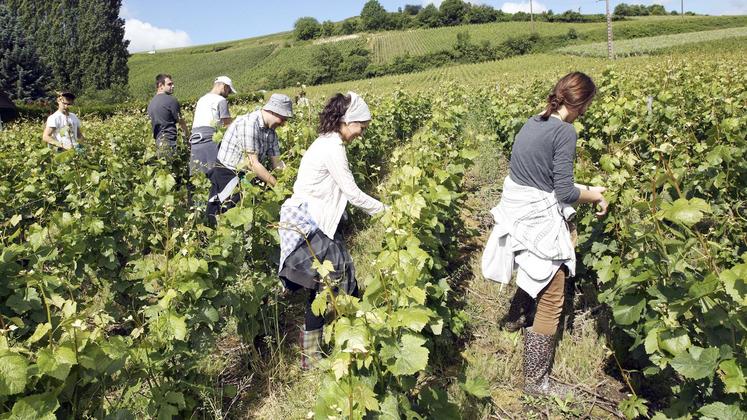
(40, 331)
(629, 309)
(735, 283)
(319, 305)
(478, 387)
(721, 411)
(414, 318)
(354, 337)
(238, 217)
(389, 409)
(733, 377)
(686, 212)
(165, 181)
(36, 407)
(675, 342)
(651, 343)
(50, 365)
(698, 363)
(411, 356)
(176, 398)
(177, 327)
(323, 268)
(12, 373)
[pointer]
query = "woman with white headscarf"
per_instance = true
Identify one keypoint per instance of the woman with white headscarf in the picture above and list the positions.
(321, 192)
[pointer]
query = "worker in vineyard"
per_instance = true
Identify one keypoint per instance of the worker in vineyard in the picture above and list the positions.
(249, 144)
(314, 213)
(62, 129)
(211, 113)
(533, 229)
(165, 113)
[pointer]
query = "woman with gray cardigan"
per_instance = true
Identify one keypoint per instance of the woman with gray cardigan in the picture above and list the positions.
(533, 233)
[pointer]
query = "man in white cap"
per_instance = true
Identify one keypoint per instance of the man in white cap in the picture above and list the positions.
(211, 113)
(249, 144)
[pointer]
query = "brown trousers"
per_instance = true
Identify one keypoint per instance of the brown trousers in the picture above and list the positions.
(550, 305)
(551, 299)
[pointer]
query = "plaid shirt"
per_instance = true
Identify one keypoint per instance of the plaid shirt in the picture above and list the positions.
(247, 134)
(294, 219)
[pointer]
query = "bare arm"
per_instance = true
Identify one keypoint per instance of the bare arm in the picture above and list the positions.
(262, 173)
(277, 163)
(593, 195)
(48, 138)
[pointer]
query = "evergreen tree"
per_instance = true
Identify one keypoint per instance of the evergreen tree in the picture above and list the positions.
(22, 74)
(102, 51)
(80, 41)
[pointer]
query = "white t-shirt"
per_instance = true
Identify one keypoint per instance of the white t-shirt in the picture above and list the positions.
(65, 128)
(209, 111)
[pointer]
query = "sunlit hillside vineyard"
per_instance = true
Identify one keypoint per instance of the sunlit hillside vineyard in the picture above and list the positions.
(652, 44)
(118, 301)
(254, 62)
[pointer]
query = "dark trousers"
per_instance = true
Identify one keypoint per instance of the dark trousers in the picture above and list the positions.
(220, 177)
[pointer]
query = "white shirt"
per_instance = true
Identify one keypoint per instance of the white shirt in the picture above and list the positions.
(325, 182)
(530, 236)
(209, 111)
(65, 128)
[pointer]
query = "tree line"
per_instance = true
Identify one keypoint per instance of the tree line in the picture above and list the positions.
(624, 9)
(73, 45)
(374, 17)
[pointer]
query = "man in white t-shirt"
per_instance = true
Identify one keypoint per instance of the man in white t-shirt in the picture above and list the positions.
(63, 127)
(211, 113)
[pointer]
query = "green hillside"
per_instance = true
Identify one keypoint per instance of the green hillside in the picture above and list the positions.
(254, 62)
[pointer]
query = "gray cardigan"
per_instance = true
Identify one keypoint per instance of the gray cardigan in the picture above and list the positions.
(542, 157)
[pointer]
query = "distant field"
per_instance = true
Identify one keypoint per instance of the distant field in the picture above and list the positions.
(648, 45)
(193, 70)
(387, 45)
(518, 70)
(253, 62)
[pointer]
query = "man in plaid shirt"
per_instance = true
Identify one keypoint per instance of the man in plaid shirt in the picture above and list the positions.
(246, 146)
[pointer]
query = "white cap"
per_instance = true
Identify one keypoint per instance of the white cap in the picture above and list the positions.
(225, 80)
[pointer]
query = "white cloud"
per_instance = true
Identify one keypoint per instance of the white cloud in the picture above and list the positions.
(511, 7)
(436, 3)
(143, 36)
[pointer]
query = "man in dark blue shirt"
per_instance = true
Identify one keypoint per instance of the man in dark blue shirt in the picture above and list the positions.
(165, 113)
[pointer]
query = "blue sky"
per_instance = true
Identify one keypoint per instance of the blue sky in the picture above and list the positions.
(168, 24)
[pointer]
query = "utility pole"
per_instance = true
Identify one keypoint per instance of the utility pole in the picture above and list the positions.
(682, 8)
(610, 52)
(531, 14)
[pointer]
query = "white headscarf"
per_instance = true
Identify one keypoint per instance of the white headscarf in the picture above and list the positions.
(357, 111)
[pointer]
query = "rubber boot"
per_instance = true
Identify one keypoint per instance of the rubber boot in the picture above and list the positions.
(311, 348)
(539, 353)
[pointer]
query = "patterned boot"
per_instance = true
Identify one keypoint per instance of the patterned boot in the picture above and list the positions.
(519, 312)
(311, 348)
(539, 352)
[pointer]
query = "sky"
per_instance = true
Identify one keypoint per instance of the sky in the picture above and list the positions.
(169, 23)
